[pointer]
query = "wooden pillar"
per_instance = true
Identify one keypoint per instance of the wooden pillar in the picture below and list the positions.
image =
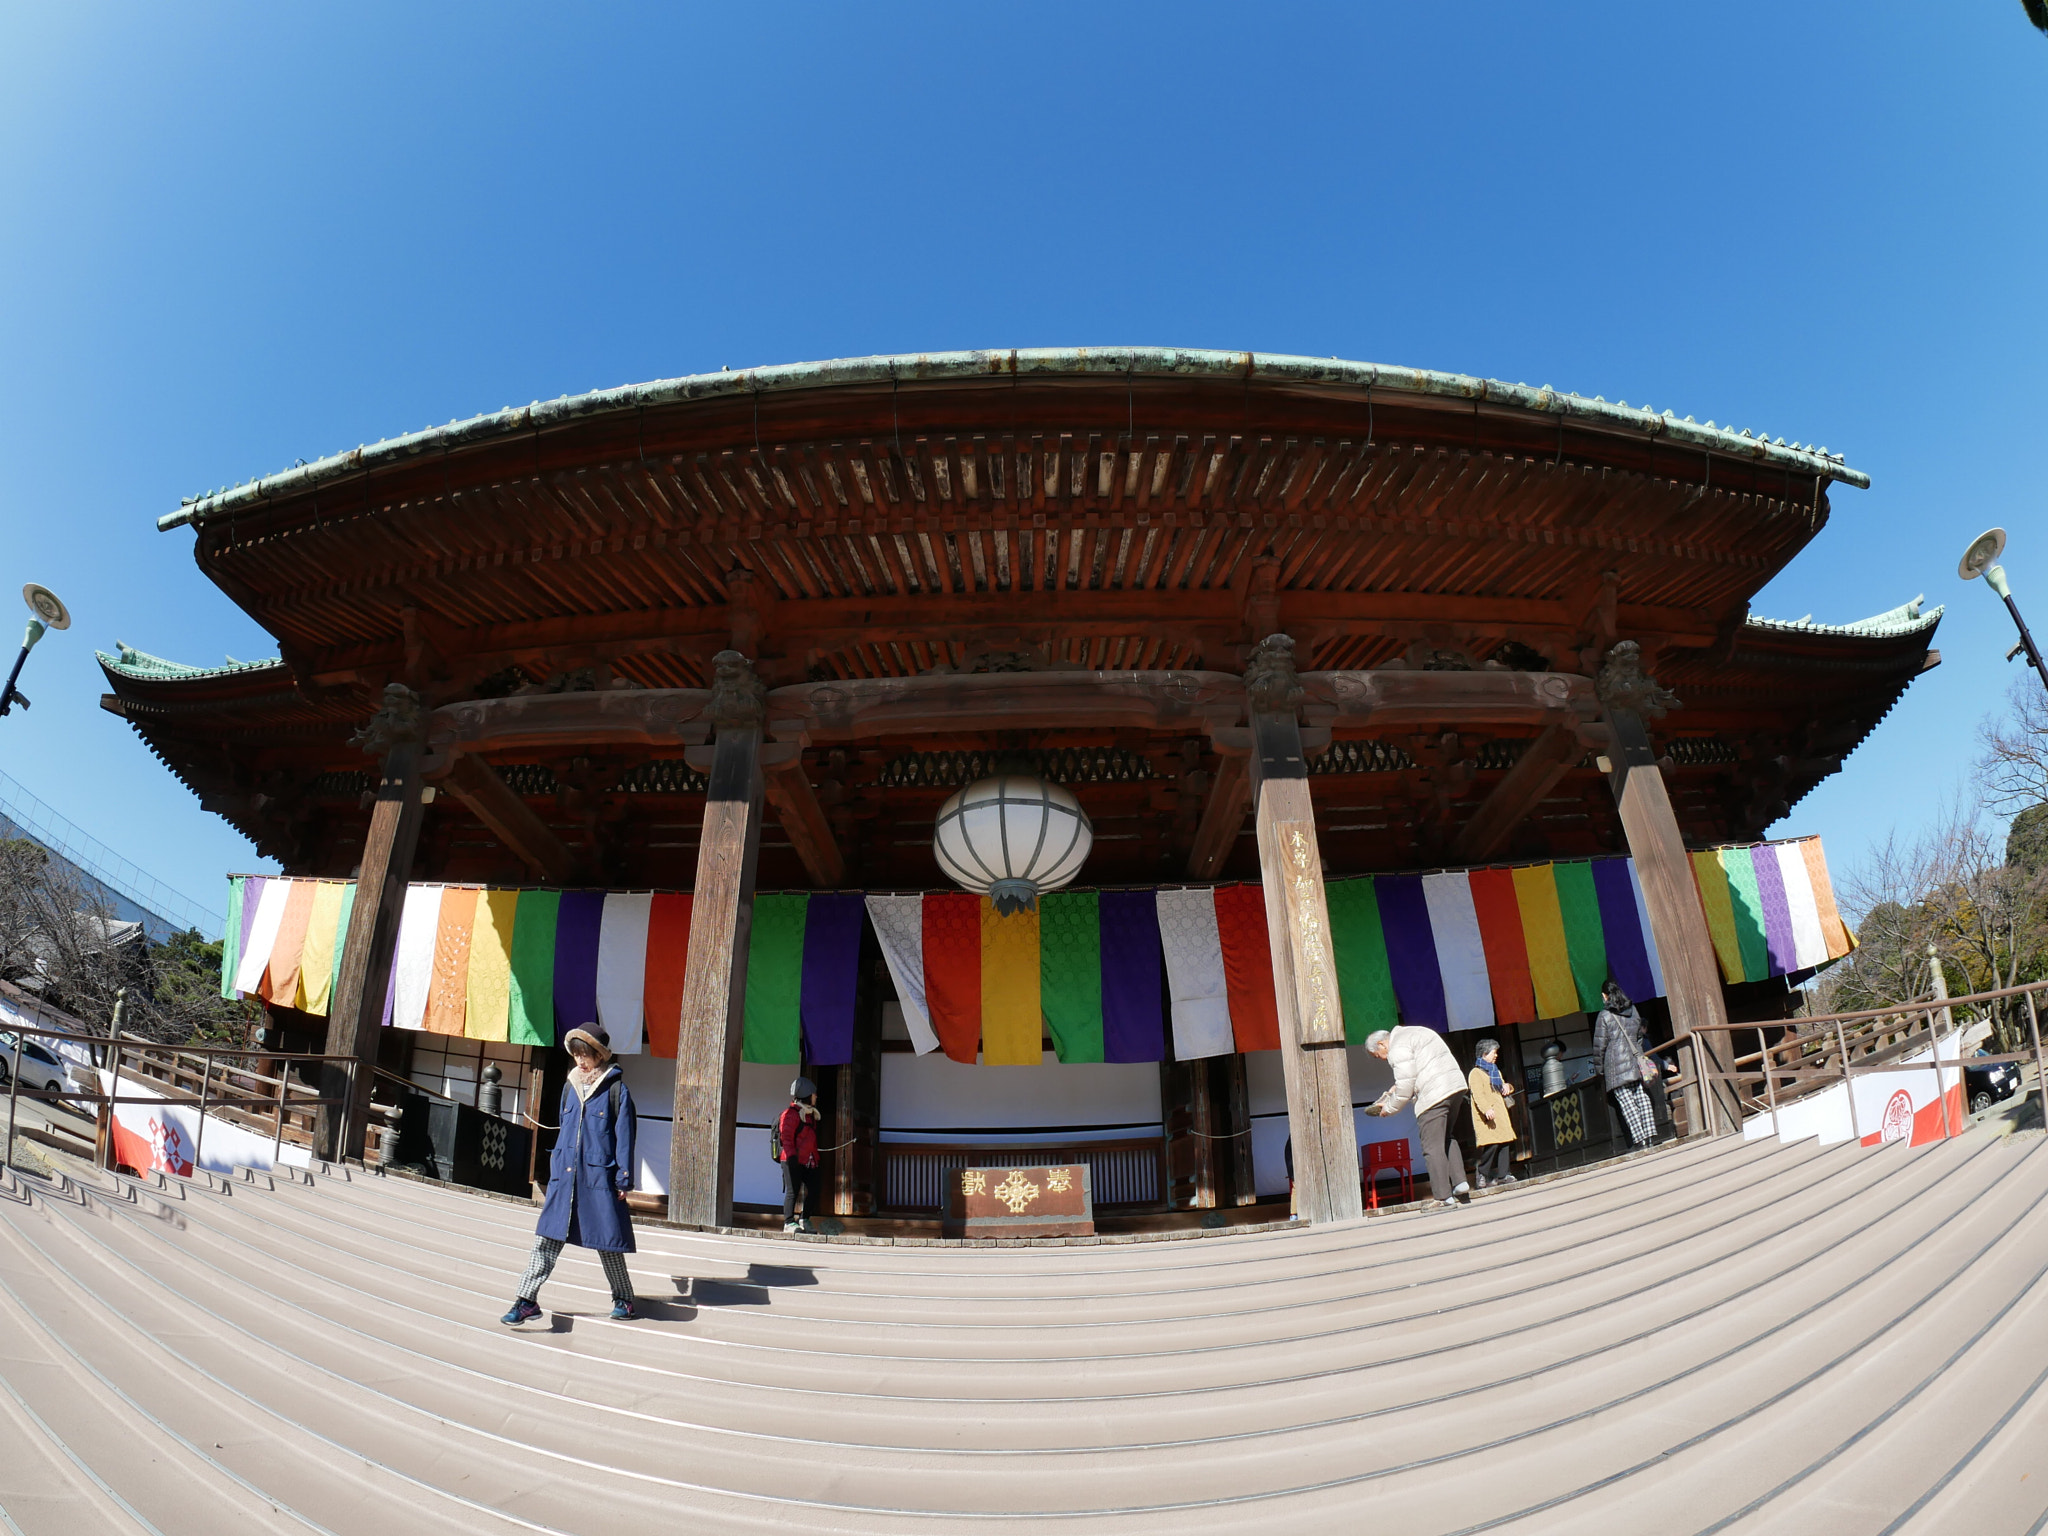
(700, 1156)
(859, 1106)
(1190, 1153)
(1319, 1117)
(1231, 1101)
(1685, 949)
(357, 1012)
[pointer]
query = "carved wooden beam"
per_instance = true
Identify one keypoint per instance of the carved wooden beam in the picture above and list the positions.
(476, 784)
(826, 622)
(650, 717)
(803, 821)
(873, 709)
(1521, 789)
(1230, 798)
(1450, 700)
(903, 708)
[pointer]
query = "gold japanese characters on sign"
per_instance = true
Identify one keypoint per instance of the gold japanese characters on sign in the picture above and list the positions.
(1311, 942)
(1021, 1202)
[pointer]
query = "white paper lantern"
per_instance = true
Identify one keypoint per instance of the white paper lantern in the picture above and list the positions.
(1012, 837)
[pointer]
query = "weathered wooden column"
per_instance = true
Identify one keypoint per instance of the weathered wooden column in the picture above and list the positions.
(700, 1155)
(357, 1012)
(1685, 949)
(1319, 1117)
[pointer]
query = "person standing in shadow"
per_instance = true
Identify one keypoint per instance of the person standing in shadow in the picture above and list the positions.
(1492, 1129)
(1618, 1047)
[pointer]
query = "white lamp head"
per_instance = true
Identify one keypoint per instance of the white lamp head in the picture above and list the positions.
(1012, 837)
(1983, 550)
(48, 608)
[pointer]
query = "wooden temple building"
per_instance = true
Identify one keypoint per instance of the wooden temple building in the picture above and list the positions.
(1269, 619)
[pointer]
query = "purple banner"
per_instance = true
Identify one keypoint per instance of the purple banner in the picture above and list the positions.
(1411, 950)
(1133, 1003)
(576, 929)
(832, 928)
(1770, 895)
(1628, 960)
(252, 893)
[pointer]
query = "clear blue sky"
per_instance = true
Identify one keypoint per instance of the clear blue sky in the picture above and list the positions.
(233, 236)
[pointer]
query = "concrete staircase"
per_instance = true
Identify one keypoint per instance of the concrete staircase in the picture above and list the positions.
(1711, 1337)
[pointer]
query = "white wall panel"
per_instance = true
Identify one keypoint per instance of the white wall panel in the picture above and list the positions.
(763, 1092)
(932, 1098)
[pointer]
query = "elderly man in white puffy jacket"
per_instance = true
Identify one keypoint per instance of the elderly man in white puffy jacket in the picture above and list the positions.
(1426, 1072)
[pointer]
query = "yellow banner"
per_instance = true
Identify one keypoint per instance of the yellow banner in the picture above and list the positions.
(1010, 1013)
(1719, 906)
(488, 1008)
(323, 934)
(1550, 964)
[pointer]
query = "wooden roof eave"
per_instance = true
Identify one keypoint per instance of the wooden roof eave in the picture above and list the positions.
(1083, 366)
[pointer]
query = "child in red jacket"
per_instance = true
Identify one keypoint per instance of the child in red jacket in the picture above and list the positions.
(796, 1148)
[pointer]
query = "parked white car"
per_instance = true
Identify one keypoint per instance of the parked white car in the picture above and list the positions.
(41, 1071)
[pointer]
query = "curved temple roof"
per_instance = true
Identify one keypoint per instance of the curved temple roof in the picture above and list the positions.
(1047, 362)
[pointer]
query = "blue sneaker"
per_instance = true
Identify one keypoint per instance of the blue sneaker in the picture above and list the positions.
(523, 1311)
(622, 1311)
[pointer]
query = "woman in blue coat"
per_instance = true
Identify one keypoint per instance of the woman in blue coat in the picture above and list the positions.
(588, 1176)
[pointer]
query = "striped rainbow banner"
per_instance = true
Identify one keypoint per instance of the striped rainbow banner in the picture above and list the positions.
(1103, 973)
(511, 965)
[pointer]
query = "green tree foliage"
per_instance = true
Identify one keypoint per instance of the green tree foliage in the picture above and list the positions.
(59, 939)
(1955, 895)
(187, 989)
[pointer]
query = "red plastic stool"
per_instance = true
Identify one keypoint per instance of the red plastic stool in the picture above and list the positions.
(1379, 1157)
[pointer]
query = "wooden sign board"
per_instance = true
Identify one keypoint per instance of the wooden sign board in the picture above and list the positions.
(1021, 1202)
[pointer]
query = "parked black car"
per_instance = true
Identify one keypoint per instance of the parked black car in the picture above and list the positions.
(1986, 1086)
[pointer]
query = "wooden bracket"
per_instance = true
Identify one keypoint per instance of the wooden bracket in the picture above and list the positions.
(511, 820)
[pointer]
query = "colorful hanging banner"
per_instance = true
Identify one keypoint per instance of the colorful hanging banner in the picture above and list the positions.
(1198, 991)
(833, 923)
(775, 974)
(1365, 979)
(1103, 973)
(668, 957)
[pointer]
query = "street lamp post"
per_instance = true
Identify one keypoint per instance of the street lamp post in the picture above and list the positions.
(1978, 561)
(46, 611)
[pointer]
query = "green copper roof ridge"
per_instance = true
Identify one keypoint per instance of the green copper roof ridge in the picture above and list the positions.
(924, 367)
(1906, 619)
(130, 662)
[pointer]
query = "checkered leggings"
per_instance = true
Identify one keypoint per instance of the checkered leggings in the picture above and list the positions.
(1635, 1109)
(547, 1249)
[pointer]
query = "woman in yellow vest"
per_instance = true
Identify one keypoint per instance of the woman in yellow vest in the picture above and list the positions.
(1492, 1129)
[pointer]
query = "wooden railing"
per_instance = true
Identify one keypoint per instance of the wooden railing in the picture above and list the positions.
(1125, 1173)
(215, 1080)
(1820, 1050)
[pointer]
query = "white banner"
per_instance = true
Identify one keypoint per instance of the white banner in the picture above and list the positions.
(150, 1134)
(1890, 1106)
